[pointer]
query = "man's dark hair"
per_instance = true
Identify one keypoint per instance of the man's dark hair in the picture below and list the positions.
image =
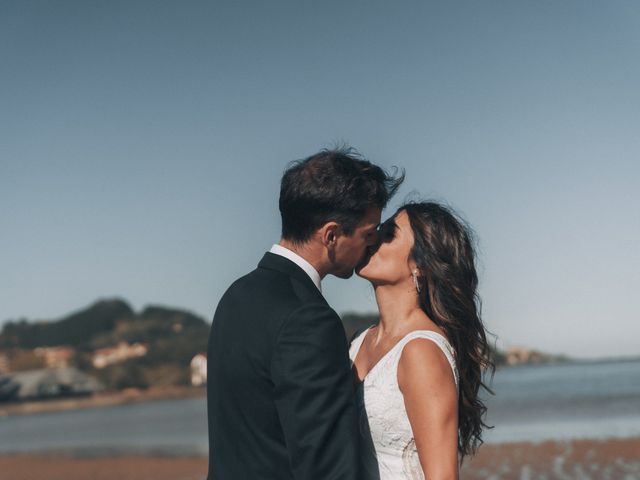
(332, 185)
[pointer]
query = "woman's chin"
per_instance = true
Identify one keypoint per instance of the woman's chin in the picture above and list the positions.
(364, 271)
(361, 271)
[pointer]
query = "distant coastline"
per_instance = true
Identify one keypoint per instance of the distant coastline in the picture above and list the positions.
(563, 360)
(102, 399)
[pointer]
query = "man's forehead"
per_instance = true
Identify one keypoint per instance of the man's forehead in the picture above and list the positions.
(372, 218)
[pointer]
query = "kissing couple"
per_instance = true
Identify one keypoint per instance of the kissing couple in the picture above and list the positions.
(290, 398)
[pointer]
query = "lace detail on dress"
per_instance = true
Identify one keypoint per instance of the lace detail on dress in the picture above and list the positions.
(383, 416)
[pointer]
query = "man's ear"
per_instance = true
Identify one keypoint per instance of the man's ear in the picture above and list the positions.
(329, 233)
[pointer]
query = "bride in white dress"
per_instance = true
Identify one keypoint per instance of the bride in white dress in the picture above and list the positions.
(418, 371)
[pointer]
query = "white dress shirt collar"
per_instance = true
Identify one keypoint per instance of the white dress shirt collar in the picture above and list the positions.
(301, 262)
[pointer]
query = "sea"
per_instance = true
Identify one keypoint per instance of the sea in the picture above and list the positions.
(531, 403)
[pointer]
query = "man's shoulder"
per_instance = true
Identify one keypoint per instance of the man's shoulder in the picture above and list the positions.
(265, 280)
(271, 289)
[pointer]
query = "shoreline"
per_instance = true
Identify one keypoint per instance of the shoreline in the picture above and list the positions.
(103, 399)
(606, 458)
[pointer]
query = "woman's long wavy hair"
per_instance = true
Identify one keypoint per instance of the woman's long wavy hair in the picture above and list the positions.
(444, 254)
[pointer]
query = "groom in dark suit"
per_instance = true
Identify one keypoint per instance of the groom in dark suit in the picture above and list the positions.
(280, 390)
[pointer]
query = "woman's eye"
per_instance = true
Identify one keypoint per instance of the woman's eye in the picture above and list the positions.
(387, 231)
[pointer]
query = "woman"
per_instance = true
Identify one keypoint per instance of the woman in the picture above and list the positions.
(420, 369)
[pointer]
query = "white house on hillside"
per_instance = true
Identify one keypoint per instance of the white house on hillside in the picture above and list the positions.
(199, 370)
(123, 351)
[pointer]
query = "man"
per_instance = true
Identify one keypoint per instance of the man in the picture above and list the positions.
(280, 389)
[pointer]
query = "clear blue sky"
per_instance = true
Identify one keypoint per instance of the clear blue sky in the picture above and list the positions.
(142, 143)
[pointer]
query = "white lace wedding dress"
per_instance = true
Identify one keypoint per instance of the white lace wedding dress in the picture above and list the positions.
(388, 445)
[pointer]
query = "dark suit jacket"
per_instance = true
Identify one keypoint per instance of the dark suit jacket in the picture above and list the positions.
(280, 391)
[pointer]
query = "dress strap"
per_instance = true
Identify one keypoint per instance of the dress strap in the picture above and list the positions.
(436, 338)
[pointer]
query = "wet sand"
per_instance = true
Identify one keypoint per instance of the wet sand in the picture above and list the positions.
(35, 467)
(578, 459)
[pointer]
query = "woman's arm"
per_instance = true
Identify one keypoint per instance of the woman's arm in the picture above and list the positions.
(426, 381)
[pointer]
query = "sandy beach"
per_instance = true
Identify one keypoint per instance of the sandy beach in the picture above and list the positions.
(577, 459)
(36, 467)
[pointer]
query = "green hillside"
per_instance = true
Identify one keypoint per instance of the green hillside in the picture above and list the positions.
(76, 329)
(172, 336)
